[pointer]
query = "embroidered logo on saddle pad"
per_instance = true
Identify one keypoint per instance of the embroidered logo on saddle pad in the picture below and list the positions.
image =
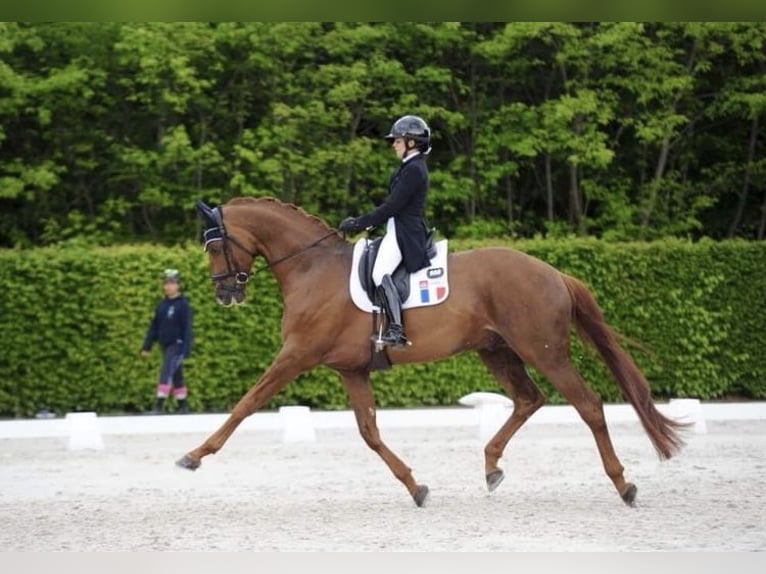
(427, 286)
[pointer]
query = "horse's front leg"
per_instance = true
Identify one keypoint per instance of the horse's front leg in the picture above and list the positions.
(363, 402)
(286, 366)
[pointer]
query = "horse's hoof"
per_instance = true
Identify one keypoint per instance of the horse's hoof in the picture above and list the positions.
(629, 495)
(494, 479)
(189, 462)
(421, 495)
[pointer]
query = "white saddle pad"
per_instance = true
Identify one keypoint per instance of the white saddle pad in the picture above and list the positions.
(428, 286)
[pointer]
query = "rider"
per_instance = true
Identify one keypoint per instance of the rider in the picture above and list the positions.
(403, 212)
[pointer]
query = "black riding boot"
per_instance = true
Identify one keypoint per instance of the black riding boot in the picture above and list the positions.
(394, 335)
(183, 407)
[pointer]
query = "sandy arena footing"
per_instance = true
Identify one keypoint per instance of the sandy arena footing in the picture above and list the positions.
(334, 494)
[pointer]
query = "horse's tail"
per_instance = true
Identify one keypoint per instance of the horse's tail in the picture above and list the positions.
(593, 329)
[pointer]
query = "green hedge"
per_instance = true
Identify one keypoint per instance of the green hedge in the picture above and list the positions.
(72, 321)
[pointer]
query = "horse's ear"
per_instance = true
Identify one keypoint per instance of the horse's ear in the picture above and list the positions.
(209, 214)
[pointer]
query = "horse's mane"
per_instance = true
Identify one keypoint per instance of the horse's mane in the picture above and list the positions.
(313, 219)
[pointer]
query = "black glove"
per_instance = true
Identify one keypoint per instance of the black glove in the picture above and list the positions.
(349, 225)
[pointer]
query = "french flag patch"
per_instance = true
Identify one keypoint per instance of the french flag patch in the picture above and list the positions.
(424, 294)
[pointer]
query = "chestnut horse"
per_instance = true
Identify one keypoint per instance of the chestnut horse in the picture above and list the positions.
(512, 309)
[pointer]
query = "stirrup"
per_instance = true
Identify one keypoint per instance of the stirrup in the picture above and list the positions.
(393, 338)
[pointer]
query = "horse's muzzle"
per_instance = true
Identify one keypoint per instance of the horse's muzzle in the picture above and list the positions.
(228, 295)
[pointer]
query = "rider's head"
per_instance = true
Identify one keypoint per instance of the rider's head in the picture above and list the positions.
(414, 131)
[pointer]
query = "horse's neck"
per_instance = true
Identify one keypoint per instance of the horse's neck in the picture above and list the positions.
(284, 233)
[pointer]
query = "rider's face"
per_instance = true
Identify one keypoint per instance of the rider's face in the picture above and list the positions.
(399, 147)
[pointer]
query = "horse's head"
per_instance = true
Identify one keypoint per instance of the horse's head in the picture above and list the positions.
(230, 258)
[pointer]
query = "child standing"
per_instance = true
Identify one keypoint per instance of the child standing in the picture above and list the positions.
(171, 327)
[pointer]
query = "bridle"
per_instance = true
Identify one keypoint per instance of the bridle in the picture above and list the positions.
(218, 233)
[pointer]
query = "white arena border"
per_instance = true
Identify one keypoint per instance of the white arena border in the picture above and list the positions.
(433, 417)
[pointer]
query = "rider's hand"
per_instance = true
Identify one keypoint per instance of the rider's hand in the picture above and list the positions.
(349, 225)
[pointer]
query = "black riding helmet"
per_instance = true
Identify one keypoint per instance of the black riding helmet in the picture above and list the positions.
(414, 128)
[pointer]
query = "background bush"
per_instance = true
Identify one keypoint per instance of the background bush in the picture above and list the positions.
(72, 320)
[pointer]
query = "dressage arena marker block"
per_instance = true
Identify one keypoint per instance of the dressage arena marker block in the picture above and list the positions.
(296, 424)
(491, 418)
(688, 410)
(84, 431)
(493, 410)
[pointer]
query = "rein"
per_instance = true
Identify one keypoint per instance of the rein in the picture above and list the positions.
(290, 255)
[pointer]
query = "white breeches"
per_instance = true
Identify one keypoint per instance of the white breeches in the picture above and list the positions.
(389, 256)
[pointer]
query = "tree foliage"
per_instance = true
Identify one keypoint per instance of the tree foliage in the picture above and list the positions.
(109, 132)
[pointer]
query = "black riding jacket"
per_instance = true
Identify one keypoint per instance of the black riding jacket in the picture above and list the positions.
(406, 201)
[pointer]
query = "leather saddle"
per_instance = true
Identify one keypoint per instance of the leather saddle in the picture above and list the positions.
(400, 276)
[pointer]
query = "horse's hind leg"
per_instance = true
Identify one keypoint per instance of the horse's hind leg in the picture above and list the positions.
(591, 409)
(363, 402)
(509, 370)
